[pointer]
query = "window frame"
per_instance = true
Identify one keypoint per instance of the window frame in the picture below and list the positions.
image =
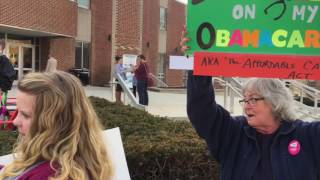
(82, 45)
(163, 20)
(83, 6)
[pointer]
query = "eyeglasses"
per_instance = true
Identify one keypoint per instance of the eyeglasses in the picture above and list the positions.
(251, 101)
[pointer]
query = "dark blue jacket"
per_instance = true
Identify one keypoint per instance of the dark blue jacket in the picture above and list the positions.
(7, 73)
(234, 144)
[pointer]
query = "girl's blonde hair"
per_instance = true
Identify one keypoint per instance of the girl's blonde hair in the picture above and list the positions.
(65, 130)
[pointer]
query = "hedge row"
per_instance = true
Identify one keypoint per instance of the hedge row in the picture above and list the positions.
(156, 148)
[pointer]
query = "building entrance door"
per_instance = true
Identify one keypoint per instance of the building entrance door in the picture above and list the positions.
(22, 56)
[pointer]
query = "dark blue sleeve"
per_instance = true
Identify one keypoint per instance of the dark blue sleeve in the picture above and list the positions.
(211, 121)
(7, 73)
(313, 130)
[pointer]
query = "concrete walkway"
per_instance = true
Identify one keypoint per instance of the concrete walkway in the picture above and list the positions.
(164, 104)
(160, 104)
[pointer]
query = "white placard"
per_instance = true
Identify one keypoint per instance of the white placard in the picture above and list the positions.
(113, 140)
(115, 147)
(181, 63)
(129, 59)
(6, 159)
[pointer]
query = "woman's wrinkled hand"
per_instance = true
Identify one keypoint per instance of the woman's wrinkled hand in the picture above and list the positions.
(184, 39)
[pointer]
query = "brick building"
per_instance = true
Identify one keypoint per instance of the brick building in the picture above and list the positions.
(89, 33)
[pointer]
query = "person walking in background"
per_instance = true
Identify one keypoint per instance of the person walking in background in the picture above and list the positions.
(7, 73)
(60, 135)
(51, 64)
(141, 73)
(7, 76)
(122, 72)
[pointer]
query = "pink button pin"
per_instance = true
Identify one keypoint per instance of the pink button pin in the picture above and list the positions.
(294, 147)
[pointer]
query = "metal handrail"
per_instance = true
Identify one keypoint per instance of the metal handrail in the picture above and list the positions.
(128, 92)
(307, 110)
(163, 84)
(233, 87)
(305, 91)
(309, 88)
(231, 90)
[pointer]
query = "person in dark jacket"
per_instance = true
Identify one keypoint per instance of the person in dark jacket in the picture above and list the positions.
(267, 143)
(7, 76)
(7, 73)
(60, 135)
(141, 73)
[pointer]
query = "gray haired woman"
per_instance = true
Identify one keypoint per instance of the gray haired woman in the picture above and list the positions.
(268, 143)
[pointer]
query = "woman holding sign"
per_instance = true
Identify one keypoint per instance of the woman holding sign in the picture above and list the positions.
(268, 143)
(141, 72)
(60, 136)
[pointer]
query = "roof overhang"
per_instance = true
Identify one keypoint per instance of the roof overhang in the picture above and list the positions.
(28, 32)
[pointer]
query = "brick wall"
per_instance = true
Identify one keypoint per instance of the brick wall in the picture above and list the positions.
(44, 53)
(128, 27)
(150, 36)
(128, 33)
(60, 48)
(175, 22)
(64, 51)
(48, 16)
(60, 17)
(100, 45)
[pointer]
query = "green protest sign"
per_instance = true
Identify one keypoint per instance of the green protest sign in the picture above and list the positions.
(255, 26)
(254, 38)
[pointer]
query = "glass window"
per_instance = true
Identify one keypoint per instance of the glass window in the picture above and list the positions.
(82, 55)
(163, 18)
(37, 57)
(84, 3)
(78, 55)
(27, 57)
(35, 41)
(86, 55)
(162, 67)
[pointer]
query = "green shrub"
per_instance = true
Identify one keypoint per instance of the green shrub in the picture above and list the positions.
(156, 148)
(7, 140)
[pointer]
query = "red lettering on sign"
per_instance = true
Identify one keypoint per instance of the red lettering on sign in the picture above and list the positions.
(257, 65)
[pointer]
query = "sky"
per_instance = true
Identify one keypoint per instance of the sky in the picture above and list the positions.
(183, 1)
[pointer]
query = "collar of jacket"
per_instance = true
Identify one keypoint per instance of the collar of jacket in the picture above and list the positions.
(285, 128)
